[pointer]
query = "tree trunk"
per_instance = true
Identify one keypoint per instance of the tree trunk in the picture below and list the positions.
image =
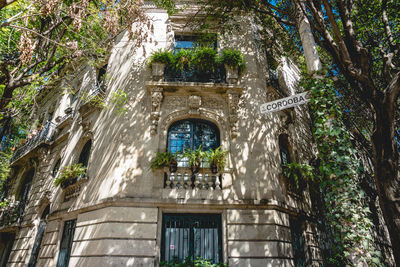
(386, 171)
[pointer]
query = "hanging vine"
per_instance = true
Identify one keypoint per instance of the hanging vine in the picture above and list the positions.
(338, 175)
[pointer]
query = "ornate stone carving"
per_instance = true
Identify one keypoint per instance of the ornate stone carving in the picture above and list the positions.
(214, 103)
(233, 105)
(171, 102)
(156, 100)
(194, 103)
(42, 153)
(87, 133)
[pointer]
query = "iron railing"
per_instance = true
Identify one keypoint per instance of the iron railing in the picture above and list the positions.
(44, 135)
(193, 75)
(12, 213)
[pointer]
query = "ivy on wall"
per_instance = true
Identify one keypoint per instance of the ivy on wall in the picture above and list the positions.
(337, 176)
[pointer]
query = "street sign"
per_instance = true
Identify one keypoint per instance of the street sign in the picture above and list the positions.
(283, 103)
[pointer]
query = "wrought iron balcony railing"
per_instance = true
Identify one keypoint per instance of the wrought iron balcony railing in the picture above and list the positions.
(45, 135)
(12, 213)
(192, 75)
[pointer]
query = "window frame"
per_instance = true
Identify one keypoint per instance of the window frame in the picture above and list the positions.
(70, 242)
(192, 121)
(217, 217)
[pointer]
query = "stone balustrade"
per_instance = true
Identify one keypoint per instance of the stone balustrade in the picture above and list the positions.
(184, 178)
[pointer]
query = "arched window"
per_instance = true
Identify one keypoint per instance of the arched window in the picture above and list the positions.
(101, 78)
(56, 168)
(26, 186)
(39, 237)
(85, 153)
(192, 133)
(284, 149)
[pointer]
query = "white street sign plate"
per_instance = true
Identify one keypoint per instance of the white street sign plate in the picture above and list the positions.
(283, 103)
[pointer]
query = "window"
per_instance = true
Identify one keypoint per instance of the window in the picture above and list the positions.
(101, 76)
(298, 242)
(191, 134)
(85, 153)
(193, 236)
(192, 41)
(39, 237)
(6, 244)
(56, 168)
(26, 186)
(284, 149)
(66, 243)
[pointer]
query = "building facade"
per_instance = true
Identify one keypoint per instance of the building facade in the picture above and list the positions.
(121, 213)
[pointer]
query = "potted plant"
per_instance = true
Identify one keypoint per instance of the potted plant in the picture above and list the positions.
(195, 158)
(69, 175)
(183, 60)
(217, 159)
(234, 64)
(205, 59)
(157, 62)
(165, 159)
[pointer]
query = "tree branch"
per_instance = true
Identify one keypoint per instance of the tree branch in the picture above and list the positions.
(4, 3)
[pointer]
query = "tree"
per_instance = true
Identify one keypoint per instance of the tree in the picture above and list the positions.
(39, 38)
(362, 40)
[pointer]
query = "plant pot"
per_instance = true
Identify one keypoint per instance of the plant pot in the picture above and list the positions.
(157, 70)
(232, 74)
(173, 166)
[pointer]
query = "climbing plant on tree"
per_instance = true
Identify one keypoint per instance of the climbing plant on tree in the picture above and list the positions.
(339, 177)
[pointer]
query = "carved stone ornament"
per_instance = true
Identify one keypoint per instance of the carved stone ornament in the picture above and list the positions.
(194, 103)
(87, 133)
(42, 153)
(156, 94)
(233, 105)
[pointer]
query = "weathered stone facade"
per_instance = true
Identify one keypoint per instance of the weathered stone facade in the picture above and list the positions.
(119, 205)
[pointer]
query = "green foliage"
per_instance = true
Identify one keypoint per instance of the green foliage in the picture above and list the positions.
(69, 173)
(182, 59)
(161, 56)
(298, 173)
(205, 59)
(188, 262)
(216, 157)
(202, 58)
(233, 58)
(163, 159)
(339, 179)
(5, 157)
(120, 99)
(195, 157)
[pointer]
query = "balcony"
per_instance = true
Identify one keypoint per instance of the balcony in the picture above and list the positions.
(184, 184)
(193, 75)
(45, 135)
(92, 101)
(11, 213)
